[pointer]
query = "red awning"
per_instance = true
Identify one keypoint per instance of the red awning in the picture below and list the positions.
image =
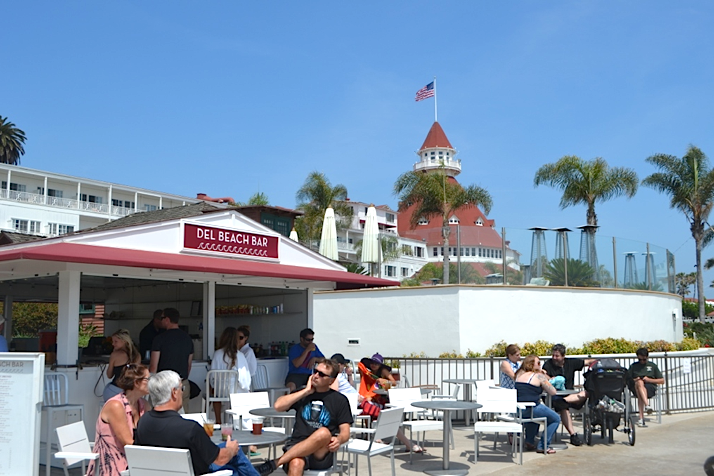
(101, 255)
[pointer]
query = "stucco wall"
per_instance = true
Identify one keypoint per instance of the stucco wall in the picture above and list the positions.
(436, 319)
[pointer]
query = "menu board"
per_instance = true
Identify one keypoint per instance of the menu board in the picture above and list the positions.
(21, 377)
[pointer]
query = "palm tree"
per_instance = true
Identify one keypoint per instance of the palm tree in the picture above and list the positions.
(587, 182)
(689, 182)
(436, 195)
(258, 198)
(12, 142)
(314, 197)
(580, 273)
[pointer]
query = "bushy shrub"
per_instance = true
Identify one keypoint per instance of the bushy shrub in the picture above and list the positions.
(470, 354)
(450, 355)
(497, 350)
(689, 343)
(539, 347)
(701, 331)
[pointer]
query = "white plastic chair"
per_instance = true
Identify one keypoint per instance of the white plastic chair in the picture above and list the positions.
(74, 446)
(417, 422)
(56, 399)
(385, 428)
(499, 402)
(243, 403)
(260, 384)
(153, 461)
(219, 385)
(353, 399)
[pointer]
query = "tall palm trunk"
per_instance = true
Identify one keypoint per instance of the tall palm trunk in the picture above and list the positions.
(697, 233)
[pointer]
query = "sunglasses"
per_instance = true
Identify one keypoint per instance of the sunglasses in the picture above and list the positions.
(321, 373)
(309, 340)
(241, 337)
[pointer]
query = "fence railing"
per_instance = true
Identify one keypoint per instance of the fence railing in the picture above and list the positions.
(689, 377)
(59, 202)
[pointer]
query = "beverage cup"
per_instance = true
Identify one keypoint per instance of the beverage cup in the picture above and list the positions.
(226, 431)
(257, 426)
(208, 427)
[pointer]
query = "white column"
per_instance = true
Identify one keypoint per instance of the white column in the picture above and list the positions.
(161, 202)
(68, 317)
(9, 177)
(136, 201)
(109, 205)
(308, 307)
(79, 195)
(45, 190)
(209, 319)
(7, 312)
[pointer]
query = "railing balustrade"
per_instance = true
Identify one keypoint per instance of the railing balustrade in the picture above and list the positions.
(59, 202)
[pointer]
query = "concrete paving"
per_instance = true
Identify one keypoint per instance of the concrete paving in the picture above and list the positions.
(679, 446)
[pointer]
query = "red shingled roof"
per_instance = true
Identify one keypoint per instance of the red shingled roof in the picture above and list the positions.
(436, 138)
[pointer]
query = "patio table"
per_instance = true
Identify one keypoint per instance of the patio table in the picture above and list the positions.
(447, 406)
(467, 383)
(549, 402)
(247, 438)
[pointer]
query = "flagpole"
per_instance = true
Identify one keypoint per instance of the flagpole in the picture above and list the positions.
(435, 116)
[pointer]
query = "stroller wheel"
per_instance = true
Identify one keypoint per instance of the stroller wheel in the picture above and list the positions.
(631, 433)
(588, 430)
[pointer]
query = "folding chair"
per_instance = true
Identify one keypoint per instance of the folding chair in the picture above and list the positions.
(74, 446)
(385, 429)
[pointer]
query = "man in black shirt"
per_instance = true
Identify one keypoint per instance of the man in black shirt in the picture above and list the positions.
(560, 366)
(173, 350)
(165, 428)
(322, 423)
(147, 334)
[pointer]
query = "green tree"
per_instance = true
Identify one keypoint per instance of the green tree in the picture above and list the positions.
(28, 318)
(580, 273)
(258, 198)
(314, 197)
(432, 271)
(587, 182)
(689, 182)
(389, 246)
(12, 142)
(684, 280)
(436, 195)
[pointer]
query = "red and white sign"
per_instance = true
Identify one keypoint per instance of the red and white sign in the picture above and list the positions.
(238, 243)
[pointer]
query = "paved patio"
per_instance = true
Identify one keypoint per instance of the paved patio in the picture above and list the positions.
(679, 446)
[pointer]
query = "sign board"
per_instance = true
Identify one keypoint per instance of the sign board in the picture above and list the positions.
(21, 376)
(236, 243)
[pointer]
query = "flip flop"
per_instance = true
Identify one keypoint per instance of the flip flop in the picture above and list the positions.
(549, 451)
(417, 449)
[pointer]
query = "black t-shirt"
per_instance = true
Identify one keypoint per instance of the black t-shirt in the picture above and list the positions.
(570, 366)
(146, 337)
(167, 429)
(175, 347)
(329, 409)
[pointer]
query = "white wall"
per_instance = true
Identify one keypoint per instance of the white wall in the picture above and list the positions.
(437, 319)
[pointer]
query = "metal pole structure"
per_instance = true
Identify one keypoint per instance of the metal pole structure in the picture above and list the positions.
(435, 116)
(648, 269)
(614, 259)
(565, 256)
(503, 252)
(458, 252)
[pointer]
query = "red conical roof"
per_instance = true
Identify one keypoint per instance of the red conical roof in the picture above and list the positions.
(436, 138)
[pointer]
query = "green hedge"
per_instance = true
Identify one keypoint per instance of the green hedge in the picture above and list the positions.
(599, 346)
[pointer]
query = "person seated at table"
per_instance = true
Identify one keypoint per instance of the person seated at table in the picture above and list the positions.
(530, 383)
(322, 423)
(374, 376)
(558, 365)
(344, 383)
(228, 357)
(124, 353)
(510, 365)
(165, 428)
(642, 379)
(117, 420)
(301, 360)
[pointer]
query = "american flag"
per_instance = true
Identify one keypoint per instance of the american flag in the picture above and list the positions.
(425, 92)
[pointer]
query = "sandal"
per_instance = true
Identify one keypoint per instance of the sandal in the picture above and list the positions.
(417, 449)
(549, 451)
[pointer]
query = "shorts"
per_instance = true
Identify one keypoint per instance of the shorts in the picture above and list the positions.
(651, 388)
(559, 404)
(310, 461)
(300, 380)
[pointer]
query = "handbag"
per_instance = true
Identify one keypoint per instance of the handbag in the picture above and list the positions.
(371, 409)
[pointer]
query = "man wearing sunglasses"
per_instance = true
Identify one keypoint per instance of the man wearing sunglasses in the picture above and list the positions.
(644, 376)
(322, 423)
(301, 360)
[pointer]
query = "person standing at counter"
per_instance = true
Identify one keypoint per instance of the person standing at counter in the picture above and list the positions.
(173, 350)
(147, 334)
(301, 360)
(227, 357)
(246, 350)
(3, 341)
(124, 353)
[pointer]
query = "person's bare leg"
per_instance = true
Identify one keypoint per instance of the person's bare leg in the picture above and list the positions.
(296, 467)
(217, 410)
(642, 400)
(319, 439)
(567, 421)
(403, 438)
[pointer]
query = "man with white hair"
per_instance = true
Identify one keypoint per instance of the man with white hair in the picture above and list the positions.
(164, 427)
(3, 341)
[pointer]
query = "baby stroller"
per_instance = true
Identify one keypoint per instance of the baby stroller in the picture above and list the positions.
(608, 401)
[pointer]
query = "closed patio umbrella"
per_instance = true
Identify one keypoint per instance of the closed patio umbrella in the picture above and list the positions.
(294, 235)
(370, 240)
(328, 241)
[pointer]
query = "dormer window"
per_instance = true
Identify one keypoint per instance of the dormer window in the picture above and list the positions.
(423, 221)
(453, 220)
(479, 222)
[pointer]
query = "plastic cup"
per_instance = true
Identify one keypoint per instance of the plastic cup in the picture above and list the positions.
(226, 431)
(257, 426)
(208, 427)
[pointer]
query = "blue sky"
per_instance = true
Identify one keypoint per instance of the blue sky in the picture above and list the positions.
(234, 97)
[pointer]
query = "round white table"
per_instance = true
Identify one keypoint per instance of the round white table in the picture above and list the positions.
(447, 406)
(247, 438)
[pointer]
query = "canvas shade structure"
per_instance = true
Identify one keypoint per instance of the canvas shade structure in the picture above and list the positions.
(370, 240)
(328, 240)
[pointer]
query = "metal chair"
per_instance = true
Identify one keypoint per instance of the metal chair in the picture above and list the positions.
(56, 399)
(260, 383)
(500, 402)
(243, 403)
(385, 429)
(219, 385)
(74, 446)
(418, 422)
(153, 461)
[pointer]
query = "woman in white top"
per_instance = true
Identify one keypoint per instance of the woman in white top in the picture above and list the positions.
(246, 350)
(227, 357)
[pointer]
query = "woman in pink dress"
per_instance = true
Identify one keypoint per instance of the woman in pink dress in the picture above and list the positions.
(117, 421)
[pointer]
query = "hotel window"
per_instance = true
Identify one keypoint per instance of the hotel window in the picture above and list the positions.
(423, 221)
(479, 222)
(405, 272)
(441, 153)
(480, 253)
(442, 251)
(17, 187)
(390, 217)
(390, 271)
(83, 197)
(453, 220)
(467, 251)
(50, 192)
(122, 203)
(26, 226)
(349, 240)
(420, 251)
(436, 252)
(433, 153)
(473, 251)
(149, 208)
(59, 229)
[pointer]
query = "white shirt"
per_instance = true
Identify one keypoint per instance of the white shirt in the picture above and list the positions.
(250, 357)
(241, 365)
(344, 384)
